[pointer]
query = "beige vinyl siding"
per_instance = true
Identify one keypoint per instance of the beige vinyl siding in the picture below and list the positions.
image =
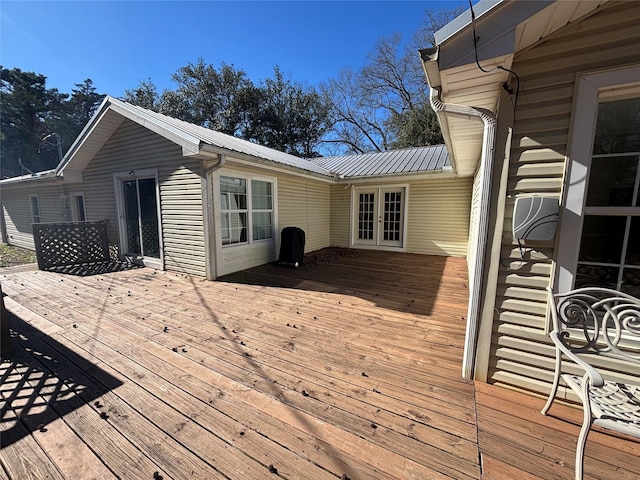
(301, 202)
(340, 215)
(16, 209)
(520, 352)
(305, 204)
(438, 216)
(241, 257)
(133, 147)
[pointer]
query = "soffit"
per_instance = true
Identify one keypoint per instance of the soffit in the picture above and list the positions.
(504, 29)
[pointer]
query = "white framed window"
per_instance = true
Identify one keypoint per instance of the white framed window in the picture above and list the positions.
(78, 211)
(261, 209)
(599, 242)
(35, 208)
(246, 209)
(233, 210)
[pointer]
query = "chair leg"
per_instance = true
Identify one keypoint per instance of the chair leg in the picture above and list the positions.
(582, 442)
(554, 387)
(586, 426)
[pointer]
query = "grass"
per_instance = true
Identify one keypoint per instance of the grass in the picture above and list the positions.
(10, 256)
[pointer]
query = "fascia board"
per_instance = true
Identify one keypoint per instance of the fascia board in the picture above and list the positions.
(463, 20)
(234, 157)
(82, 136)
(398, 177)
(44, 176)
(495, 32)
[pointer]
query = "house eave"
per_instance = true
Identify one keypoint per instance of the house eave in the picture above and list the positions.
(103, 124)
(44, 176)
(403, 177)
(245, 160)
(475, 75)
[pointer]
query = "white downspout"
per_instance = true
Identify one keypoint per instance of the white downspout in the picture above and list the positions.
(488, 118)
(209, 215)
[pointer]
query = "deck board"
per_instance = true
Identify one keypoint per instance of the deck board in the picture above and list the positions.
(347, 368)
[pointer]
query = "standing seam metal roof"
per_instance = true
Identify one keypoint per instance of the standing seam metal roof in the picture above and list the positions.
(228, 142)
(192, 138)
(409, 160)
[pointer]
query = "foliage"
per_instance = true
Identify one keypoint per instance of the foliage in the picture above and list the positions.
(276, 113)
(31, 113)
(285, 116)
(145, 96)
(69, 120)
(208, 97)
(26, 106)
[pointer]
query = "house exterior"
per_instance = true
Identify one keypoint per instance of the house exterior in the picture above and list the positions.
(188, 199)
(542, 107)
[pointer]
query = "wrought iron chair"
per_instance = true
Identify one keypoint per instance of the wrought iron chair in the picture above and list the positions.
(589, 323)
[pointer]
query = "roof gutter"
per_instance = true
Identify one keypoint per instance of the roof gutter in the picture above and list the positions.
(208, 216)
(46, 175)
(489, 121)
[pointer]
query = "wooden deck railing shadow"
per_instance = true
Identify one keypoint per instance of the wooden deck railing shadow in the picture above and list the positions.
(42, 381)
(403, 282)
(98, 268)
(275, 390)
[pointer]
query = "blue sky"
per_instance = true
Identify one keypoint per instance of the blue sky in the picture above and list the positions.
(119, 43)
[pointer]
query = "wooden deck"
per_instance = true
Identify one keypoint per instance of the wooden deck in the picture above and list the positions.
(346, 368)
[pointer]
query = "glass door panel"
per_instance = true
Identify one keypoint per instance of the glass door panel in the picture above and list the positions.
(141, 217)
(392, 212)
(367, 217)
(149, 217)
(130, 190)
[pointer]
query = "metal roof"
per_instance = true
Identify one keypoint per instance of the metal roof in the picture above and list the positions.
(195, 139)
(224, 141)
(409, 160)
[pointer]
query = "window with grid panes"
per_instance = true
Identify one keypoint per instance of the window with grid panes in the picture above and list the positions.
(609, 253)
(233, 210)
(261, 209)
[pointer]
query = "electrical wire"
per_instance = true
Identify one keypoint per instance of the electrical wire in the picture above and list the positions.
(498, 67)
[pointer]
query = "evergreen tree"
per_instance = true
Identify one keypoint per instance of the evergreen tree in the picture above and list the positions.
(286, 116)
(145, 96)
(27, 108)
(38, 123)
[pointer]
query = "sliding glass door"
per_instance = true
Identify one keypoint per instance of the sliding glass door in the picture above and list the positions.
(141, 217)
(138, 215)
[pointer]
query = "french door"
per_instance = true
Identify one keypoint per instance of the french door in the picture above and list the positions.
(138, 216)
(379, 217)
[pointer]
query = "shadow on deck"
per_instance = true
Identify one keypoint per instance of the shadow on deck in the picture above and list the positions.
(404, 282)
(320, 372)
(42, 381)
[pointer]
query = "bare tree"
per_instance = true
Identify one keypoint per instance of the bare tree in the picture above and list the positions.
(385, 104)
(357, 123)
